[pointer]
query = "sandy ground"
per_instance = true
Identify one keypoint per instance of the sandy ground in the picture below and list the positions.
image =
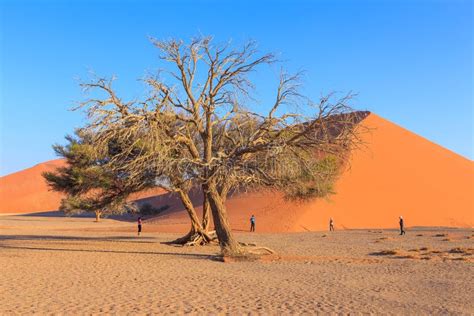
(74, 266)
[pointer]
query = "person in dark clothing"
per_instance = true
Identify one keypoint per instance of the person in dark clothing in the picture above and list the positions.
(252, 223)
(139, 225)
(331, 225)
(402, 226)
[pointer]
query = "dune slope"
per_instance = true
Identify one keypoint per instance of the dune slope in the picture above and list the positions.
(27, 192)
(399, 173)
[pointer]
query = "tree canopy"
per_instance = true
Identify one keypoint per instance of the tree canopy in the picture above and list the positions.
(196, 128)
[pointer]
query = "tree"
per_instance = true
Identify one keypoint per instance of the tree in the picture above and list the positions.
(195, 129)
(146, 140)
(89, 185)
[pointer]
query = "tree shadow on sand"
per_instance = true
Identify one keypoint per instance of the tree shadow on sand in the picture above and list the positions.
(126, 239)
(123, 239)
(174, 254)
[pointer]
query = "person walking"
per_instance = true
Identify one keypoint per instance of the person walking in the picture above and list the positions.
(252, 223)
(139, 222)
(331, 225)
(402, 226)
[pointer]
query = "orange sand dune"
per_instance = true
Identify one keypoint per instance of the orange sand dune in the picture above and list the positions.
(26, 191)
(400, 173)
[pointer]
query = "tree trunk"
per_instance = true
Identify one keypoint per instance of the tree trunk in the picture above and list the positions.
(229, 246)
(191, 235)
(188, 205)
(206, 210)
(97, 216)
(197, 234)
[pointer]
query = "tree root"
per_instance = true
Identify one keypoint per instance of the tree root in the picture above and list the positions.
(245, 244)
(196, 239)
(201, 239)
(256, 250)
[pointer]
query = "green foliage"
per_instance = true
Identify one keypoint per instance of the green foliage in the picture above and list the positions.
(89, 184)
(148, 209)
(315, 180)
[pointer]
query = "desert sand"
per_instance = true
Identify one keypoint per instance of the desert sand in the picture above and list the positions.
(398, 173)
(75, 266)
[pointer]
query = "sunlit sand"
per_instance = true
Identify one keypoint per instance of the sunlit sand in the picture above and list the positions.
(76, 266)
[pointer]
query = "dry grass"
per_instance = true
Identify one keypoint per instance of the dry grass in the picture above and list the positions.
(408, 256)
(424, 253)
(419, 249)
(385, 238)
(461, 250)
(392, 252)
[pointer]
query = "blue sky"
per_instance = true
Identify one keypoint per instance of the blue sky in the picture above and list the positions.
(409, 61)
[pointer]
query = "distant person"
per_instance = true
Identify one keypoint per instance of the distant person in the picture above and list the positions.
(252, 223)
(139, 222)
(331, 225)
(402, 226)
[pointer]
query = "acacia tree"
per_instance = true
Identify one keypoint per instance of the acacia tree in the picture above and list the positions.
(195, 129)
(145, 140)
(88, 182)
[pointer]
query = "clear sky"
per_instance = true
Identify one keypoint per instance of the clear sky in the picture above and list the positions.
(410, 61)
